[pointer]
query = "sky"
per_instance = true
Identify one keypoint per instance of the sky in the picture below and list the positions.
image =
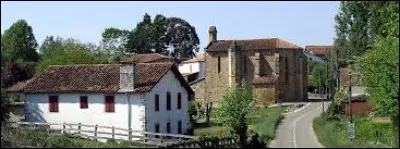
(303, 23)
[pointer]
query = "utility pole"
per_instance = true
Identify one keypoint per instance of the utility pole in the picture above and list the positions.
(351, 131)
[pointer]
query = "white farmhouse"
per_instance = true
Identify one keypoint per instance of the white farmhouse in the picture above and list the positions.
(151, 97)
(193, 69)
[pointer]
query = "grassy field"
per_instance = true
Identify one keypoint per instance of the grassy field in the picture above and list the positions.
(39, 138)
(332, 133)
(263, 121)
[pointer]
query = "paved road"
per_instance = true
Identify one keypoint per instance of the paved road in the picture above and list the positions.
(295, 130)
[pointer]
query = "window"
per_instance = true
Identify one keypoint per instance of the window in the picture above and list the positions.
(53, 103)
(84, 102)
(286, 69)
(157, 129)
(168, 101)
(179, 127)
(219, 64)
(109, 102)
(157, 102)
(168, 127)
(179, 101)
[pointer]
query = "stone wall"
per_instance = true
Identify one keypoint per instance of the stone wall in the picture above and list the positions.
(217, 83)
(199, 89)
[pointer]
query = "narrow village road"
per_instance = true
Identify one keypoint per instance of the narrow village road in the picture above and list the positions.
(295, 130)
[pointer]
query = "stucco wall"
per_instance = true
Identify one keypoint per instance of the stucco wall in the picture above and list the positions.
(168, 83)
(196, 67)
(70, 111)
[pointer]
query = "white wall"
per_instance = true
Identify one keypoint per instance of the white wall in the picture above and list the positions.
(168, 83)
(70, 111)
(196, 67)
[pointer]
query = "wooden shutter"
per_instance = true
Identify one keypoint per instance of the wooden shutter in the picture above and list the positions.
(53, 103)
(168, 127)
(168, 101)
(84, 102)
(157, 129)
(179, 101)
(179, 127)
(157, 102)
(109, 102)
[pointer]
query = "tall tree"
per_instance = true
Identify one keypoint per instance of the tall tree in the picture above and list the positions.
(20, 43)
(139, 41)
(49, 45)
(114, 39)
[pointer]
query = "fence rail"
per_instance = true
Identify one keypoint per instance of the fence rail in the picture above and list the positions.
(148, 138)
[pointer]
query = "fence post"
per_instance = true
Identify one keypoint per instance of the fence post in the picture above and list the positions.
(130, 134)
(95, 132)
(113, 132)
(79, 127)
(63, 130)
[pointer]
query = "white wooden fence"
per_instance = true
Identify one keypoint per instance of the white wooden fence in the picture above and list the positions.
(103, 133)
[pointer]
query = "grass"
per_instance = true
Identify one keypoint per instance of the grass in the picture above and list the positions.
(262, 120)
(332, 133)
(39, 138)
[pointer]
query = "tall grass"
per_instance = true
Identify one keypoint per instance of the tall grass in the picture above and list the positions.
(332, 133)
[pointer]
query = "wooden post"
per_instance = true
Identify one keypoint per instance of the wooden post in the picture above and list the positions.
(79, 127)
(95, 132)
(130, 134)
(113, 132)
(63, 130)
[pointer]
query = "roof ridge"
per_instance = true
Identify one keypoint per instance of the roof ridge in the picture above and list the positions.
(81, 65)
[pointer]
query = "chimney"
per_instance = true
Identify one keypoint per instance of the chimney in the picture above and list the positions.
(127, 76)
(212, 34)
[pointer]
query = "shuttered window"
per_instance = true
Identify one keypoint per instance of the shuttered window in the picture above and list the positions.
(157, 129)
(84, 102)
(168, 101)
(157, 102)
(109, 102)
(179, 127)
(53, 103)
(179, 101)
(168, 127)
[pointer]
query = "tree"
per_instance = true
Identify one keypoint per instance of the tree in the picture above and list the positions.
(19, 43)
(139, 40)
(114, 39)
(182, 37)
(50, 45)
(234, 107)
(5, 106)
(72, 51)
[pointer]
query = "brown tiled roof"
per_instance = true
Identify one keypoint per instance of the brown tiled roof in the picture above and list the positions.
(251, 44)
(319, 50)
(265, 80)
(147, 58)
(19, 87)
(99, 78)
(196, 59)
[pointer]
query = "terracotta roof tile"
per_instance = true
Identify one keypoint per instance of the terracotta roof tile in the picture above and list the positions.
(98, 78)
(147, 58)
(196, 59)
(251, 44)
(319, 50)
(19, 87)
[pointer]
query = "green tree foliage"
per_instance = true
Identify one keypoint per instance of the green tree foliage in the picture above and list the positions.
(114, 40)
(19, 43)
(319, 76)
(5, 106)
(235, 105)
(49, 45)
(173, 36)
(71, 51)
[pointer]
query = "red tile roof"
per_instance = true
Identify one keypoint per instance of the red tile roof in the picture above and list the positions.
(196, 59)
(251, 44)
(319, 50)
(148, 58)
(99, 78)
(18, 87)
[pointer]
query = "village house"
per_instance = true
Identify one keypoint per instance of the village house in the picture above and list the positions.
(194, 72)
(273, 68)
(321, 51)
(150, 58)
(144, 97)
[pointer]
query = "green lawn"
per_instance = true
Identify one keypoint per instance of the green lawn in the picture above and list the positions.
(263, 121)
(332, 133)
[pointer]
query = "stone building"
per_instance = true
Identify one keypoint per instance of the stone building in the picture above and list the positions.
(272, 68)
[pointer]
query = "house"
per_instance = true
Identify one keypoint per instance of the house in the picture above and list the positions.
(274, 69)
(321, 51)
(359, 105)
(193, 69)
(151, 97)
